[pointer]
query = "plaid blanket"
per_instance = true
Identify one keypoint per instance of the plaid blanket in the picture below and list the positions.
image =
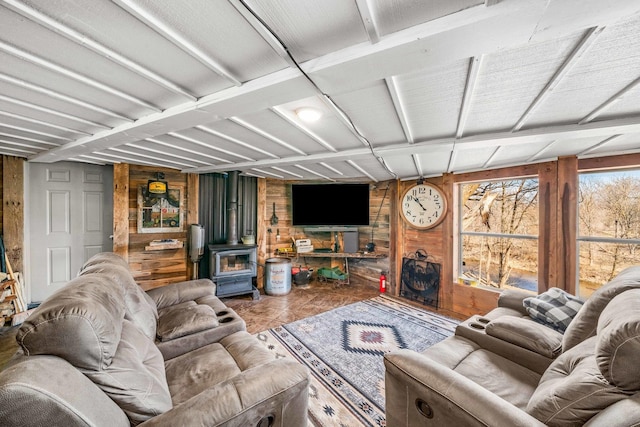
(554, 308)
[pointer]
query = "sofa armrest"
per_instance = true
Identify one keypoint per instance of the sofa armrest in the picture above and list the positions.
(176, 293)
(528, 334)
(278, 389)
(414, 384)
(512, 298)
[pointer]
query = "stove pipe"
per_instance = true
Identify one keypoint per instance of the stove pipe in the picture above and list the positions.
(232, 208)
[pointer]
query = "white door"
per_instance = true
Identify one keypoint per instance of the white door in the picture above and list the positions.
(70, 219)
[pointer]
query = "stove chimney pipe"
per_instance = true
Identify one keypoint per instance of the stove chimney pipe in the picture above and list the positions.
(232, 208)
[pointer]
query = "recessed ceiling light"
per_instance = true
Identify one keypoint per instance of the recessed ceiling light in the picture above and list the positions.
(308, 114)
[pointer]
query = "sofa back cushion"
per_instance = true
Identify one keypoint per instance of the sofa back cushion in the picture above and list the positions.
(585, 323)
(619, 341)
(106, 258)
(136, 378)
(139, 307)
(572, 389)
(80, 323)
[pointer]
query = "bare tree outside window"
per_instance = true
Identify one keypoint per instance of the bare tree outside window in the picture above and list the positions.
(609, 226)
(499, 233)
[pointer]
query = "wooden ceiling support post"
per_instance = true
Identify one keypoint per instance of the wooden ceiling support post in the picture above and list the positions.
(121, 210)
(13, 209)
(567, 206)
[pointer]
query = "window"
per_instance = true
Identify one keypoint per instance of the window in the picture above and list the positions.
(608, 226)
(498, 223)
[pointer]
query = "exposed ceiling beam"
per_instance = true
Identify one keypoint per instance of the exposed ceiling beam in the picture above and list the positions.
(368, 20)
(41, 123)
(84, 40)
(263, 31)
(331, 168)
(361, 170)
(177, 156)
(70, 74)
(56, 113)
(585, 43)
(475, 65)
(290, 118)
(35, 132)
(599, 144)
(266, 135)
(62, 97)
(398, 105)
(609, 102)
(500, 139)
(314, 173)
(437, 42)
(187, 150)
(235, 141)
(209, 146)
(177, 39)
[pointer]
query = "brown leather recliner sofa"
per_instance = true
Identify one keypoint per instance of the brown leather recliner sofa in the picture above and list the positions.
(504, 369)
(101, 352)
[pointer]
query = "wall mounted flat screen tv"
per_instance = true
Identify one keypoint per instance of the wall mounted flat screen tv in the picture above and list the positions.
(330, 204)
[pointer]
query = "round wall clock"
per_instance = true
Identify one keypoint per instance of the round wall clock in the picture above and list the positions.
(423, 206)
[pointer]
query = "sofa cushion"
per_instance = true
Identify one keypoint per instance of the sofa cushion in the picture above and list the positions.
(619, 341)
(584, 324)
(524, 333)
(139, 307)
(198, 370)
(572, 389)
(106, 258)
(185, 319)
(555, 308)
(135, 379)
(80, 323)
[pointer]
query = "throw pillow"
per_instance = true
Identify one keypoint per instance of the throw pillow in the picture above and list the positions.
(555, 308)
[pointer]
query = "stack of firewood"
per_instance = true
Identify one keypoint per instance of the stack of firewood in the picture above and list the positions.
(11, 301)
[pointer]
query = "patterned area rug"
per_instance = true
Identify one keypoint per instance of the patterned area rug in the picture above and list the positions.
(343, 349)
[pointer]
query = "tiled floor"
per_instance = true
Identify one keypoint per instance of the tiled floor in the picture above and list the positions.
(301, 302)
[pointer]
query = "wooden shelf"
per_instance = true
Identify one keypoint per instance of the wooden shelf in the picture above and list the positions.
(340, 255)
(176, 245)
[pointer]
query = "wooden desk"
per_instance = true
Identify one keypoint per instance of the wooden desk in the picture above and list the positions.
(342, 255)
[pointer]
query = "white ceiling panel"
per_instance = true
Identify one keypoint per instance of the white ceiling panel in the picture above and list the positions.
(469, 158)
(621, 144)
(509, 81)
(370, 107)
(202, 86)
(395, 15)
(216, 28)
(566, 147)
(611, 63)
(114, 28)
(274, 125)
(513, 154)
(311, 29)
(432, 100)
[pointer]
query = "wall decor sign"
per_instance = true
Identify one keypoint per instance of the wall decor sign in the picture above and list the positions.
(160, 214)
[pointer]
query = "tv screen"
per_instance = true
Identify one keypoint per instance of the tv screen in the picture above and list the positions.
(330, 204)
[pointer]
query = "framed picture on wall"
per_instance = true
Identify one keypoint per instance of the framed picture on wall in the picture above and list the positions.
(160, 214)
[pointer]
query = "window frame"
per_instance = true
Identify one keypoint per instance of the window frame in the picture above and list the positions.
(459, 233)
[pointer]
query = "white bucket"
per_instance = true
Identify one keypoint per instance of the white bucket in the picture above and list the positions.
(277, 276)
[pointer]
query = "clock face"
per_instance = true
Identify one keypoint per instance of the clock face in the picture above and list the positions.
(423, 206)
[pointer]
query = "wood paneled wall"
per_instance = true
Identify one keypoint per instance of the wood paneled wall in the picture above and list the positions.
(152, 269)
(381, 201)
(13, 210)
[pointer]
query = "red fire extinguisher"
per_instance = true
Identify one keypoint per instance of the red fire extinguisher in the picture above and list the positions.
(383, 283)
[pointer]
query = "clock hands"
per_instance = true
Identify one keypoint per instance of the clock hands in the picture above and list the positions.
(420, 204)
